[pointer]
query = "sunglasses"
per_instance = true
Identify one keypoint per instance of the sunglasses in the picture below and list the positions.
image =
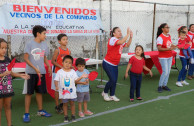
(167, 27)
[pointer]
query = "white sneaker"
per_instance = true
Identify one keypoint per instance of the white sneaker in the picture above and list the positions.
(114, 98)
(179, 84)
(106, 97)
(192, 61)
(185, 83)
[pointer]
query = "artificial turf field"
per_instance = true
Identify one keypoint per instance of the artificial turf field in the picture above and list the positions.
(175, 111)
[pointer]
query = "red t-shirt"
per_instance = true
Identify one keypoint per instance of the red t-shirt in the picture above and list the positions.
(114, 51)
(183, 43)
(137, 65)
(165, 42)
(191, 35)
(61, 55)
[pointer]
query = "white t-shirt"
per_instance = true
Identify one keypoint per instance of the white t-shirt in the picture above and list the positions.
(67, 88)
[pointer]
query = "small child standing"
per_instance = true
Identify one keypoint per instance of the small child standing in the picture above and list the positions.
(57, 59)
(83, 95)
(185, 45)
(65, 83)
(6, 88)
(138, 64)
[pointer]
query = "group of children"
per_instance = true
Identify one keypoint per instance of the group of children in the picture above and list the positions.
(71, 85)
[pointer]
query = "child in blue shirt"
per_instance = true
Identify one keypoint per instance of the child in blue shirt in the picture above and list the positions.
(83, 95)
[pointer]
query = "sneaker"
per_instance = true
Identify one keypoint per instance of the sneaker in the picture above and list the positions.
(185, 83)
(139, 98)
(43, 113)
(190, 77)
(179, 84)
(192, 61)
(88, 112)
(114, 98)
(73, 118)
(131, 100)
(81, 114)
(106, 97)
(160, 89)
(66, 119)
(166, 88)
(26, 117)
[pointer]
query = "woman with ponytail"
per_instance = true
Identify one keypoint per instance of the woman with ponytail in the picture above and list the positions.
(112, 59)
(165, 47)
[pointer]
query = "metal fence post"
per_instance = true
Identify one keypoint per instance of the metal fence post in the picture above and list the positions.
(153, 30)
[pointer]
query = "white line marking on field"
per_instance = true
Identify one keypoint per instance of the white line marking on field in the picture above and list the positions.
(107, 81)
(126, 107)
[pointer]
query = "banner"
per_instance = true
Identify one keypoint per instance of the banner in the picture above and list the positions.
(19, 19)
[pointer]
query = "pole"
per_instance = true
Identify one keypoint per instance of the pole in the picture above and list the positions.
(188, 15)
(110, 14)
(9, 46)
(153, 30)
(96, 51)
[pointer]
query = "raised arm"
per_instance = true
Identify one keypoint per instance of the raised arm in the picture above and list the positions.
(122, 41)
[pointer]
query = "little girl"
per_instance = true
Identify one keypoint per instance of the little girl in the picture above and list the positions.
(6, 89)
(138, 64)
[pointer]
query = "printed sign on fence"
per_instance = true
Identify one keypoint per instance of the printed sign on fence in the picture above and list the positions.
(19, 19)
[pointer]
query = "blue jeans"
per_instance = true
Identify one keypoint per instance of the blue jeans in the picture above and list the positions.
(112, 72)
(191, 67)
(189, 51)
(166, 66)
(183, 72)
(135, 80)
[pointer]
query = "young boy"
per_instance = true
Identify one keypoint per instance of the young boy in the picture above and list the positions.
(57, 59)
(83, 95)
(65, 83)
(35, 56)
(185, 45)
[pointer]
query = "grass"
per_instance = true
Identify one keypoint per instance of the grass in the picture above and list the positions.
(174, 111)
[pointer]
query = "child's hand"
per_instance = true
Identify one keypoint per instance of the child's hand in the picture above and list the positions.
(151, 74)
(126, 75)
(25, 76)
(38, 72)
(6, 73)
(84, 75)
(87, 81)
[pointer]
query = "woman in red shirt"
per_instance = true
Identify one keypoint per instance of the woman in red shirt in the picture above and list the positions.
(138, 64)
(165, 47)
(112, 59)
(191, 66)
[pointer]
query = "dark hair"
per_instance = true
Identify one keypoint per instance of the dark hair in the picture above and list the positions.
(113, 31)
(80, 61)
(181, 29)
(37, 29)
(68, 57)
(142, 55)
(159, 32)
(2, 40)
(190, 26)
(183, 32)
(60, 36)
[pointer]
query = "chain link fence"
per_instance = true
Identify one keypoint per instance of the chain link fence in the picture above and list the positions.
(137, 16)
